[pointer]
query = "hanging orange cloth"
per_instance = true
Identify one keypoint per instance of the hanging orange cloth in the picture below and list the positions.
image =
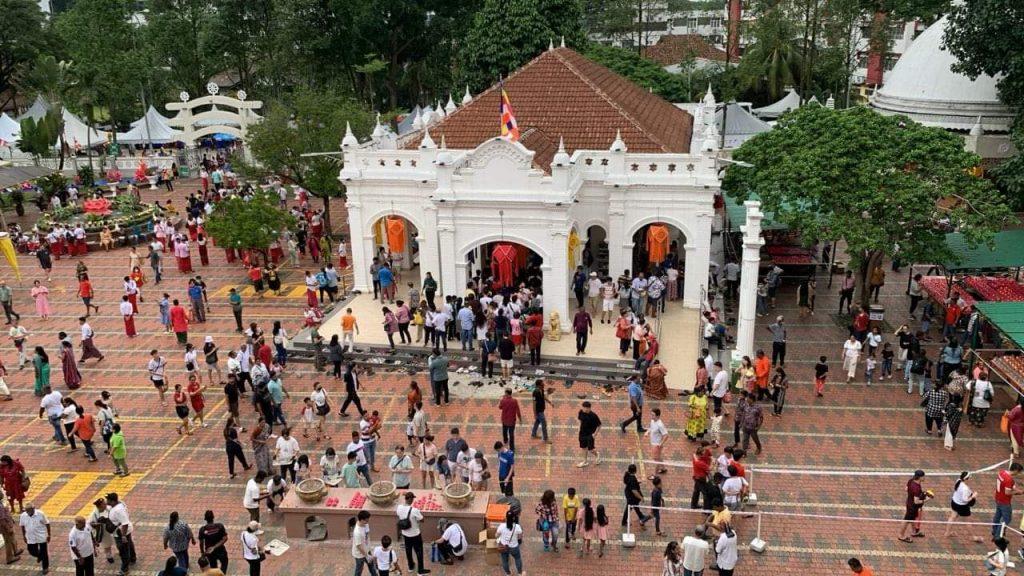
(396, 235)
(503, 264)
(657, 243)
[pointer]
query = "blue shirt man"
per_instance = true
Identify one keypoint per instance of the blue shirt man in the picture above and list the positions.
(636, 406)
(636, 393)
(386, 277)
(506, 468)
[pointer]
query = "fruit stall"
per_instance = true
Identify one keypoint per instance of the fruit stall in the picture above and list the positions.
(1005, 355)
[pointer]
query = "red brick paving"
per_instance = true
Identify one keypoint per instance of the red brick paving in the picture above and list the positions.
(854, 427)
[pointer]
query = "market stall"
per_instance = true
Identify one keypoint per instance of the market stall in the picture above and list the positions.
(1004, 357)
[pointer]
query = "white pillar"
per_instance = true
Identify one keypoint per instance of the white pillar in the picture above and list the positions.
(620, 248)
(752, 243)
(556, 280)
(360, 247)
(449, 284)
(698, 261)
(430, 256)
(462, 275)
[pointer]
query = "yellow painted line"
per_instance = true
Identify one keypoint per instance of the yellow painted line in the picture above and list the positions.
(640, 454)
(17, 433)
(547, 462)
(120, 485)
(69, 492)
(297, 292)
(41, 480)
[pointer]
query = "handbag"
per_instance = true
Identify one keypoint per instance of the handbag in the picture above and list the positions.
(405, 523)
(987, 395)
(1004, 423)
(26, 482)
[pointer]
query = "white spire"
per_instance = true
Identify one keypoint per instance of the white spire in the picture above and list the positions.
(551, 44)
(709, 97)
(439, 111)
(444, 157)
(444, 145)
(349, 141)
(830, 103)
(561, 157)
(378, 130)
(618, 145)
(562, 45)
(466, 99)
(450, 106)
(977, 129)
(417, 121)
(710, 143)
(427, 141)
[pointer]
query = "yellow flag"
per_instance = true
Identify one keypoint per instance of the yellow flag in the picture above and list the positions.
(7, 247)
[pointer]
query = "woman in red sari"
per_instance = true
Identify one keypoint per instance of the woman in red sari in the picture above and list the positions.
(128, 312)
(1016, 421)
(204, 255)
(313, 244)
(11, 471)
(195, 396)
(72, 377)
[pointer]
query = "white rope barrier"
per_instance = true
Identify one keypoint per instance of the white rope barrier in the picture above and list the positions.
(760, 513)
(793, 471)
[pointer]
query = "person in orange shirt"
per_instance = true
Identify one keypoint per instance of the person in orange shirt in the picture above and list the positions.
(85, 293)
(763, 369)
(857, 568)
(349, 329)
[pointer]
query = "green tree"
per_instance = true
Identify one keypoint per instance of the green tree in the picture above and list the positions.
(253, 223)
(987, 37)
(54, 82)
(309, 122)
(107, 49)
(872, 181)
(565, 20)
(180, 33)
(22, 37)
(643, 72)
(38, 138)
(774, 60)
(505, 35)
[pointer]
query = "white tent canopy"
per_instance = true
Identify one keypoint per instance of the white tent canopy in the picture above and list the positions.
(152, 114)
(150, 128)
(36, 112)
(10, 130)
(791, 101)
(77, 133)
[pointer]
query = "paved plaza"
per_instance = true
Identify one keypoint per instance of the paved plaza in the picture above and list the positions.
(876, 431)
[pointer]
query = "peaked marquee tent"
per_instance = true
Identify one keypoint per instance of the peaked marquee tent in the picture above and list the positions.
(152, 127)
(791, 101)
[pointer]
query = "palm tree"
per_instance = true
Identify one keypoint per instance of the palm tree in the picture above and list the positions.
(53, 80)
(774, 60)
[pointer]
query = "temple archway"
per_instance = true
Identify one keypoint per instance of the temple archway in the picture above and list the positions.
(658, 249)
(394, 241)
(502, 266)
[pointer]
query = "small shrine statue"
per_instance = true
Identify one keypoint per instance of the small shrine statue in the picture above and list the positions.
(555, 327)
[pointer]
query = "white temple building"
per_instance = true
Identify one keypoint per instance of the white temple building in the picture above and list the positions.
(599, 161)
(924, 87)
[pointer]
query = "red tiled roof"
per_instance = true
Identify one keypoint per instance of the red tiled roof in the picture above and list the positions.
(562, 94)
(674, 48)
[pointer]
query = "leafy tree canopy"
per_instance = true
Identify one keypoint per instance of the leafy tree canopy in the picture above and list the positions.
(22, 37)
(254, 222)
(987, 37)
(873, 181)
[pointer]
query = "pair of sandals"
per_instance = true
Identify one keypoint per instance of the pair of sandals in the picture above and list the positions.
(910, 540)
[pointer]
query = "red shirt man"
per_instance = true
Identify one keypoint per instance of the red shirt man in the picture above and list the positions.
(509, 407)
(1006, 485)
(701, 464)
(179, 318)
(860, 322)
(265, 354)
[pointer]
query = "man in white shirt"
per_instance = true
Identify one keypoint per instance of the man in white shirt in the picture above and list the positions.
(18, 333)
(658, 433)
(733, 489)
(851, 354)
(82, 548)
(452, 543)
(35, 528)
(361, 542)
(593, 292)
(695, 550)
(362, 465)
(719, 387)
(727, 549)
(51, 406)
(411, 535)
(123, 534)
(157, 367)
(251, 498)
(251, 546)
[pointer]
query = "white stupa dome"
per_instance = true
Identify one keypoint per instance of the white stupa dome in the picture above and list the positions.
(924, 87)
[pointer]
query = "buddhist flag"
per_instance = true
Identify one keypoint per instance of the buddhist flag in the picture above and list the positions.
(509, 127)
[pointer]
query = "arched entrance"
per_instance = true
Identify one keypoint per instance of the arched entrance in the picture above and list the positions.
(502, 267)
(658, 249)
(394, 241)
(595, 251)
